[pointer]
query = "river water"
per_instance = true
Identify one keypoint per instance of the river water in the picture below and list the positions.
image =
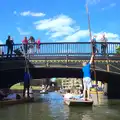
(51, 107)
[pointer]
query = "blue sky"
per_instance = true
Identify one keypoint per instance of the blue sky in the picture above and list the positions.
(59, 20)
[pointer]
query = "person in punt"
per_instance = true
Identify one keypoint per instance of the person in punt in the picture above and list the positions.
(87, 78)
(77, 95)
(68, 95)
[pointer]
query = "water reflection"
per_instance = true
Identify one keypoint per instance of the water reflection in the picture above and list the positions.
(52, 108)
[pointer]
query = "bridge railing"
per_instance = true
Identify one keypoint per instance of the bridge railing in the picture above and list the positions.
(62, 48)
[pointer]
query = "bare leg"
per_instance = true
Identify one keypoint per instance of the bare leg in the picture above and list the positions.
(88, 94)
(84, 94)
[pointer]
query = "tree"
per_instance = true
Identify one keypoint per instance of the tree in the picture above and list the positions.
(118, 49)
(59, 81)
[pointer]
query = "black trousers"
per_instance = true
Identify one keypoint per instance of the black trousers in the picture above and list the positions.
(103, 49)
(25, 48)
(9, 51)
(95, 49)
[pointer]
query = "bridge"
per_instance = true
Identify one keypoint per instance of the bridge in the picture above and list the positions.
(61, 60)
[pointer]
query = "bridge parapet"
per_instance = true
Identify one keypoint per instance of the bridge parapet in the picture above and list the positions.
(64, 48)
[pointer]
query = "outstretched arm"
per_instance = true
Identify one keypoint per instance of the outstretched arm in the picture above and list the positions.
(91, 60)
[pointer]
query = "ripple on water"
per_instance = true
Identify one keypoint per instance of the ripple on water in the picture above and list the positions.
(52, 108)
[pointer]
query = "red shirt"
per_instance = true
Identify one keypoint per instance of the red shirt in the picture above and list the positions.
(38, 42)
(25, 41)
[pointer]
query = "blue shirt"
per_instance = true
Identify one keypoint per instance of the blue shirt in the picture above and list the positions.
(26, 77)
(94, 42)
(86, 70)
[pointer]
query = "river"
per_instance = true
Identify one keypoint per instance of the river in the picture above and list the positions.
(51, 107)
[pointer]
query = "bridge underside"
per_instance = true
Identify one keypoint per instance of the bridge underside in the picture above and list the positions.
(11, 77)
(11, 72)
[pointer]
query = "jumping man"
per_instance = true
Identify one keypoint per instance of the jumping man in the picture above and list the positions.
(87, 77)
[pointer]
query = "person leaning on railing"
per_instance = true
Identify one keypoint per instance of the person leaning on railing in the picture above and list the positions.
(25, 44)
(94, 45)
(103, 44)
(32, 44)
(38, 46)
(9, 44)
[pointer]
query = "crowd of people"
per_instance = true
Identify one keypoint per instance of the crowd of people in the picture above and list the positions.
(103, 41)
(33, 46)
(27, 44)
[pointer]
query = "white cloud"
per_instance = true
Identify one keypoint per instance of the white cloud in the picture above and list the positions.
(92, 1)
(112, 5)
(1, 42)
(109, 6)
(15, 12)
(61, 26)
(29, 13)
(77, 35)
(22, 32)
(112, 37)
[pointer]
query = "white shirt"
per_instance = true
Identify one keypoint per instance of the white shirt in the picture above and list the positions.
(67, 96)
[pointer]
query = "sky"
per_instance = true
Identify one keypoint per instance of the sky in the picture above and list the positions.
(59, 20)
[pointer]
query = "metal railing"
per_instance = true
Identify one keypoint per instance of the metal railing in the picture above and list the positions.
(62, 48)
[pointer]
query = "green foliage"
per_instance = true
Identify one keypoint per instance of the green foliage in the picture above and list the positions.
(118, 49)
(59, 81)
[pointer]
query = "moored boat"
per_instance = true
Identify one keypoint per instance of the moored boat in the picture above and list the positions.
(78, 102)
(43, 92)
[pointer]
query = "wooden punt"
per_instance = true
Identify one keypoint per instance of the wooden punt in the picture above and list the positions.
(16, 101)
(96, 92)
(46, 92)
(78, 102)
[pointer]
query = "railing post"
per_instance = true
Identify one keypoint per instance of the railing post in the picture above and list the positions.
(67, 60)
(108, 67)
(67, 57)
(46, 62)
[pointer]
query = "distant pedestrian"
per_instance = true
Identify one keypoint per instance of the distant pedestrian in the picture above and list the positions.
(25, 44)
(38, 46)
(53, 82)
(103, 44)
(9, 44)
(94, 45)
(31, 42)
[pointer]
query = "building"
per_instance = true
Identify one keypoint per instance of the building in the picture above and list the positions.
(71, 83)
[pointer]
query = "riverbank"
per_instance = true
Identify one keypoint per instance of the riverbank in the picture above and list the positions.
(20, 87)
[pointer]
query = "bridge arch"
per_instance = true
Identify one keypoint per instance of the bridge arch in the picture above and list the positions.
(13, 76)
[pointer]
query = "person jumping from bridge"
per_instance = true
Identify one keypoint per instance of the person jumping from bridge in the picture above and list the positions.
(87, 78)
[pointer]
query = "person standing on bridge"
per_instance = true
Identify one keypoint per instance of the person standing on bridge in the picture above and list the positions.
(9, 44)
(87, 78)
(38, 42)
(25, 44)
(94, 45)
(103, 45)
